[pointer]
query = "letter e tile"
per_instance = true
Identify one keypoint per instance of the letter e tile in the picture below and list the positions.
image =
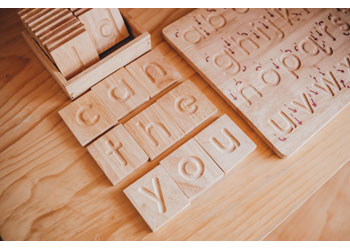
(187, 105)
(225, 142)
(87, 118)
(192, 169)
(117, 154)
(156, 197)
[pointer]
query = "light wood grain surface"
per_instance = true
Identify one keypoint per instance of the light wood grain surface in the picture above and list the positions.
(52, 189)
(325, 216)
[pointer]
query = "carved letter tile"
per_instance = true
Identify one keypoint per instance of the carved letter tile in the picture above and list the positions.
(187, 105)
(192, 169)
(154, 71)
(154, 130)
(87, 118)
(121, 93)
(105, 26)
(156, 197)
(117, 154)
(225, 142)
(74, 54)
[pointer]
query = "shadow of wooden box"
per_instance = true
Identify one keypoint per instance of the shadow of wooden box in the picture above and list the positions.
(118, 56)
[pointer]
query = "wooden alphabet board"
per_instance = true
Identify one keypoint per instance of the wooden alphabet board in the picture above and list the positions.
(286, 71)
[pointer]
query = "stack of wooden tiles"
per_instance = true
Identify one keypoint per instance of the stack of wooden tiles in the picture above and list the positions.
(74, 42)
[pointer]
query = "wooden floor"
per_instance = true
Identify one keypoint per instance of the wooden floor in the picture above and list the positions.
(51, 188)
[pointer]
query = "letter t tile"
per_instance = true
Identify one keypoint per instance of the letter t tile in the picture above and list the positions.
(117, 154)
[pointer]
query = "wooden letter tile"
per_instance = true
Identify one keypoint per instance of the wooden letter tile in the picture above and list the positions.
(87, 118)
(187, 106)
(105, 26)
(121, 93)
(225, 142)
(192, 169)
(154, 130)
(156, 197)
(154, 71)
(74, 54)
(117, 154)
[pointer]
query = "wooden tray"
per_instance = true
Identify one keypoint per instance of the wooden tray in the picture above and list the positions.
(77, 85)
(286, 71)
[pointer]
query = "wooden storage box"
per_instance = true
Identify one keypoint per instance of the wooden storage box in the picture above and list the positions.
(136, 45)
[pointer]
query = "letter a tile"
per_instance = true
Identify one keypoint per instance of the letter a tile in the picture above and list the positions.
(117, 154)
(156, 197)
(121, 93)
(188, 106)
(87, 118)
(154, 130)
(225, 142)
(192, 169)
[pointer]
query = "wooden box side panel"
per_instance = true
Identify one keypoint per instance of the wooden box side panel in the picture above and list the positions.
(45, 60)
(121, 57)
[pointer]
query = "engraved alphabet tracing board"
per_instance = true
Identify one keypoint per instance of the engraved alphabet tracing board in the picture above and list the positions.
(286, 71)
